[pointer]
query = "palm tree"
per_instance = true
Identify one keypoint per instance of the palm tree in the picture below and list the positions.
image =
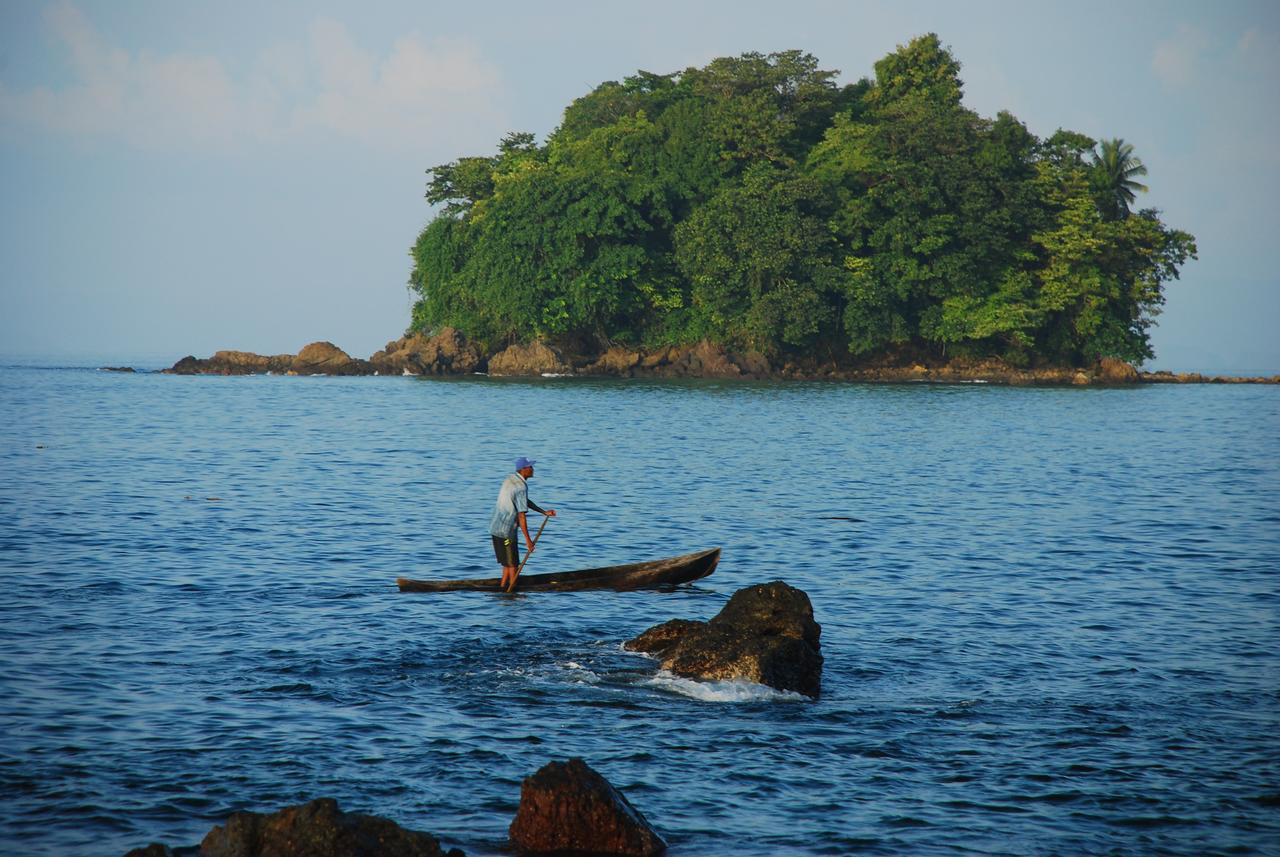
(1113, 175)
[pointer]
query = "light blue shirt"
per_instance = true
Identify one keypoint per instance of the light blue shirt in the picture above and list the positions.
(513, 498)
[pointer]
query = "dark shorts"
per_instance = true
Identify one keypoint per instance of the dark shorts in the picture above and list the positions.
(507, 552)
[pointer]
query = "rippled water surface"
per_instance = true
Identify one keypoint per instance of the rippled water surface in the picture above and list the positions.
(1052, 626)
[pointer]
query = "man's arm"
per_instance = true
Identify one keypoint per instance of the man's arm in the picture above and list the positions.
(550, 513)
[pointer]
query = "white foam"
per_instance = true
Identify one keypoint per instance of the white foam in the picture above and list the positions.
(733, 690)
(581, 673)
(557, 375)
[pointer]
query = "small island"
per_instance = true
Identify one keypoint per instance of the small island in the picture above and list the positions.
(754, 219)
(756, 204)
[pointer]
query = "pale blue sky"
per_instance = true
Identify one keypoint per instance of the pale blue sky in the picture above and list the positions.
(178, 178)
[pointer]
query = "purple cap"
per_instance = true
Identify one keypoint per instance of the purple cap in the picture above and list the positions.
(522, 463)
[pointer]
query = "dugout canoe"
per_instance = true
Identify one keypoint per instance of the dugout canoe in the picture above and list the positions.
(637, 575)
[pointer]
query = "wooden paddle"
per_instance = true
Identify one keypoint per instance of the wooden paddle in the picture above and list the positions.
(537, 536)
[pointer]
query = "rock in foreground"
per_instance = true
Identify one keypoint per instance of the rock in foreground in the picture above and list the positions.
(765, 634)
(317, 829)
(568, 807)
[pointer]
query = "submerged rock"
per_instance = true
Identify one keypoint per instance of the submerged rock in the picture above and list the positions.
(765, 634)
(155, 849)
(315, 829)
(318, 829)
(568, 807)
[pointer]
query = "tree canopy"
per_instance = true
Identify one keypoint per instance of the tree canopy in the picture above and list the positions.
(757, 203)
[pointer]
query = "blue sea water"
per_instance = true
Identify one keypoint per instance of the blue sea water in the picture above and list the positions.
(1051, 628)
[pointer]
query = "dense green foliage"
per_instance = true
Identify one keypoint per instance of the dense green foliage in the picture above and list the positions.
(756, 203)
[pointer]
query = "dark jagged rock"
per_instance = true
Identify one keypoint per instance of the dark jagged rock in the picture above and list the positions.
(124, 369)
(188, 365)
(568, 807)
(765, 634)
(317, 829)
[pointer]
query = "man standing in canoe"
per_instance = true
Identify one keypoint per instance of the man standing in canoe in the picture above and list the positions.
(508, 513)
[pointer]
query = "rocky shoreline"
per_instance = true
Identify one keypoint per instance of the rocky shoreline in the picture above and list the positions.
(449, 353)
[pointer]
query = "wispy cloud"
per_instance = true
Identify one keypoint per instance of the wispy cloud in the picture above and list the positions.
(404, 97)
(1259, 50)
(1176, 60)
(416, 90)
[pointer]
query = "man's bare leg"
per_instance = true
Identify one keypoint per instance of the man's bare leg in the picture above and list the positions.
(509, 577)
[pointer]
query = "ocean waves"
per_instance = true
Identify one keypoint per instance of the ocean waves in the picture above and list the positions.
(1050, 617)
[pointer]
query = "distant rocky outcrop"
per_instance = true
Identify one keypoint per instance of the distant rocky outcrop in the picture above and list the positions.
(535, 358)
(233, 363)
(765, 634)
(446, 353)
(1165, 377)
(566, 807)
(959, 371)
(317, 358)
